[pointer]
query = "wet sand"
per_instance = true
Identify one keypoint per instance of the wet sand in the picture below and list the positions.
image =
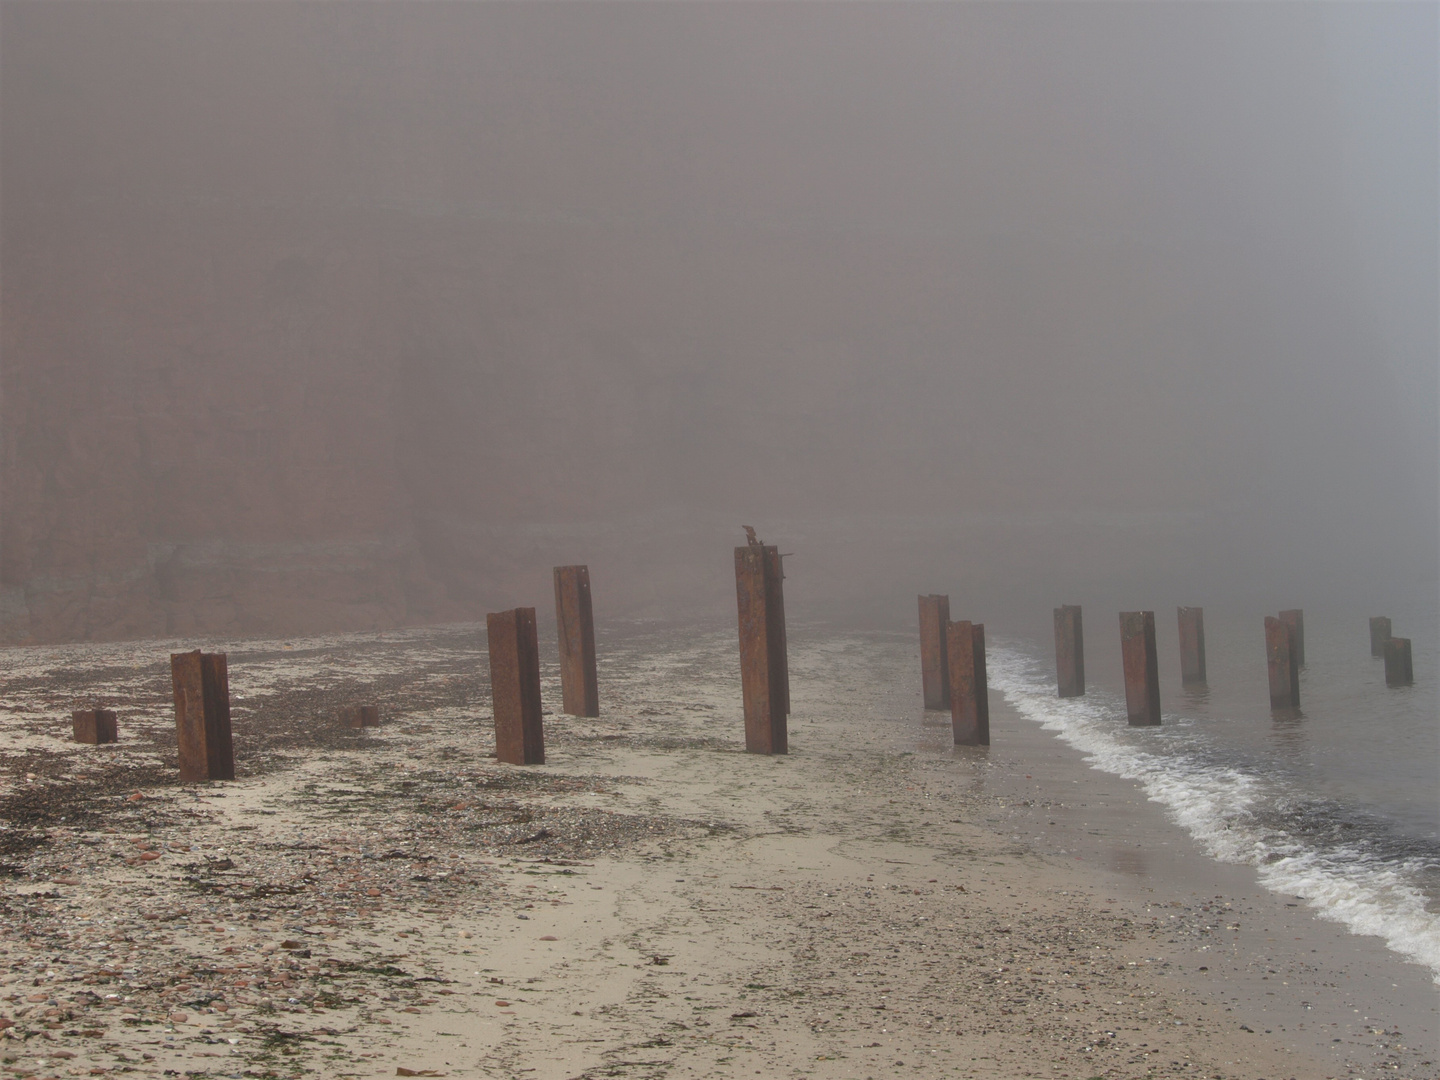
(652, 902)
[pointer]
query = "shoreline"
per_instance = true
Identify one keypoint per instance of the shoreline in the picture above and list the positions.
(877, 896)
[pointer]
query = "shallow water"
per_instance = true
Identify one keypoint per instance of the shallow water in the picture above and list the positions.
(1338, 803)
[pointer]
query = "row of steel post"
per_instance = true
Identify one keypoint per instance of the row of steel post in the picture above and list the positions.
(952, 662)
(1284, 645)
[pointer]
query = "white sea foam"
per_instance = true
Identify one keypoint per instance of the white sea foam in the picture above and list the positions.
(1223, 809)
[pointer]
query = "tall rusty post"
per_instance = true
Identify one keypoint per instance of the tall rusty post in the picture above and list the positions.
(515, 686)
(1069, 651)
(1142, 673)
(201, 684)
(934, 662)
(1379, 634)
(95, 726)
(1398, 668)
(969, 688)
(1295, 619)
(1283, 668)
(764, 671)
(575, 623)
(1192, 645)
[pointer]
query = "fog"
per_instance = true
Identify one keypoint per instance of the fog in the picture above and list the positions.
(325, 316)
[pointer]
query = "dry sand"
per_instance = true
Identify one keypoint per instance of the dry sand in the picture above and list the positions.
(652, 902)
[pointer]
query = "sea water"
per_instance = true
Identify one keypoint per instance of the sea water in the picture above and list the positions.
(1338, 802)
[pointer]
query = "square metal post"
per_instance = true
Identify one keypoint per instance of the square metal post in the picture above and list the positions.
(1398, 668)
(1142, 675)
(575, 626)
(350, 717)
(1379, 634)
(934, 656)
(764, 673)
(1192, 645)
(201, 685)
(515, 686)
(94, 726)
(1280, 659)
(969, 688)
(1295, 619)
(1069, 650)
(369, 716)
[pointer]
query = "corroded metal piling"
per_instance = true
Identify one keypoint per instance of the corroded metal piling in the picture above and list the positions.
(1142, 674)
(1283, 668)
(575, 625)
(1379, 634)
(764, 672)
(515, 686)
(934, 662)
(969, 688)
(1295, 619)
(360, 716)
(95, 726)
(1069, 651)
(201, 684)
(1192, 645)
(1398, 669)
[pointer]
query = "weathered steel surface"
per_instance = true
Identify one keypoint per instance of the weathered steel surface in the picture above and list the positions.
(1280, 659)
(201, 685)
(515, 686)
(1069, 650)
(1142, 674)
(350, 716)
(575, 624)
(1295, 619)
(934, 662)
(763, 664)
(775, 612)
(1379, 634)
(95, 726)
(1398, 668)
(969, 688)
(1192, 645)
(369, 716)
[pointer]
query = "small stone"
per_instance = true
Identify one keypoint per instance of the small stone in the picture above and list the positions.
(149, 856)
(503, 1004)
(464, 933)
(548, 937)
(372, 892)
(178, 1017)
(137, 797)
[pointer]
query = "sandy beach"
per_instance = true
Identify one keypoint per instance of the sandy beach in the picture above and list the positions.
(651, 902)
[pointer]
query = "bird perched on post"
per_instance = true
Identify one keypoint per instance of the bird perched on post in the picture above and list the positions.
(750, 537)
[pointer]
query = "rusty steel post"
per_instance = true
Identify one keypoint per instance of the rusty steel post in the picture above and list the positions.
(1069, 651)
(775, 611)
(764, 671)
(369, 716)
(201, 685)
(1142, 675)
(95, 726)
(575, 626)
(1280, 658)
(1398, 668)
(969, 688)
(350, 717)
(515, 686)
(934, 662)
(1192, 645)
(1379, 634)
(1295, 619)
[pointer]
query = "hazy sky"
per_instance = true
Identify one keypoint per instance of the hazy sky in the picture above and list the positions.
(1060, 293)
